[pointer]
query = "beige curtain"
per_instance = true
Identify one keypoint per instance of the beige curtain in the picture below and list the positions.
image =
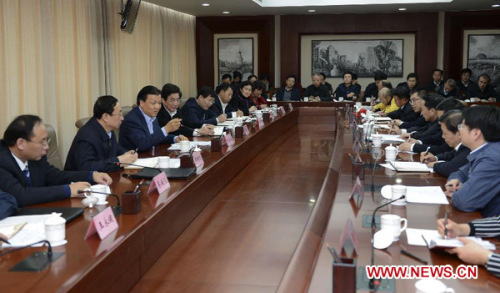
(161, 49)
(58, 56)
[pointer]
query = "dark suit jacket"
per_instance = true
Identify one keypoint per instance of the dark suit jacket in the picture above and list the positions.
(463, 89)
(322, 92)
(454, 93)
(342, 91)
(8, 205)
(93, 150)
(217, 108)
(294, 97)
(454, 160)
(476, 92)
(164, 117)
(48, 182)
(417, 123)
(241, 103)
(430, 128)
(134, 132)
(405, 84)
(194, 116)
(434, 148)
(371, 90)
(432, 88)
(405, 113)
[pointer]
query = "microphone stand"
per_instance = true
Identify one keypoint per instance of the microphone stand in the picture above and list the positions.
(49, 248)
(374, 283)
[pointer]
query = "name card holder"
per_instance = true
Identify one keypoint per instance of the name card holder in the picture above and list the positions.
(159, 182)
(282, 111)
(260, 121)
(215, 144)
(229, 140)
(238, 131)
(266, 116)
(246, 131)
(103, 223)
(290, 106)
(197, 159)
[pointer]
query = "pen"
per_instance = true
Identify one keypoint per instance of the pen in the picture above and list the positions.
(445, 223)
(4, 240)
(136, 150)
(413, 256)
(427, 151)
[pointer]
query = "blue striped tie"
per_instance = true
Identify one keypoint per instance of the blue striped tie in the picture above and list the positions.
(26, 172)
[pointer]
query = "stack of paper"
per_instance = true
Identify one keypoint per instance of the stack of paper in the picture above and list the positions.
(419, 194)
(153, 163)
(192, 144)
(227, 123)
(410, 166)
(432, 239)
(33, 230)
(218, 130)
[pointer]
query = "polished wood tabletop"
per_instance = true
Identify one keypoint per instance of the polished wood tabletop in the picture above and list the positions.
(254, 218)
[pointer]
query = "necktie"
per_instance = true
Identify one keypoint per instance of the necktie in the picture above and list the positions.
(26, 172)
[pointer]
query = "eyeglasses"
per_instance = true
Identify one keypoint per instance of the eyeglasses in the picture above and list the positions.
(43, 143)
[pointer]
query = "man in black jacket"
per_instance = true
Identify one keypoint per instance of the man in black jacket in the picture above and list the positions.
(95, 147)
(196, 112)
(170, 116)
(221, 103)
(401, 97)
(24, 169)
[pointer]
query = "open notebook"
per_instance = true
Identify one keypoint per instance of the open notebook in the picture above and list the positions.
(432, 239)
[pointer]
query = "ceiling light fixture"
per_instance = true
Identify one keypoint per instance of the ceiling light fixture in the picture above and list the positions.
(495, 5)
(402, 9)
(225, 12)
(311, 10)
(205, 4)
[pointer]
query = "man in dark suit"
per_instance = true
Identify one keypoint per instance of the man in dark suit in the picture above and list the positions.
(25, 172)
(170, 115)
(465, 83)
(95, 147)
(450, 89)
(483, 90)
(449, 162)
(401, 97)
(437, 83)
(196, 112)
(371, 91)
(140, 129)
(221, 103)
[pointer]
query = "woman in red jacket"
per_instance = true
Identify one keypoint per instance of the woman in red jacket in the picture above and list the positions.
(257, 99)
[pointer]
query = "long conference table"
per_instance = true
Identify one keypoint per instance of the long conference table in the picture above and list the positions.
(254, 218)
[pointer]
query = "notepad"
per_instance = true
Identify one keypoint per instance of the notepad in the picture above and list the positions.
(387, 138)
(33, 230)
(410, 166)
(153, 163)
(218, 130)
(419, 194)
(227, 123)
(192, 144)
(432, 239)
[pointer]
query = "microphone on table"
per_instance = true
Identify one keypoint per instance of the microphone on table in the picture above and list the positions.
(112, 194)
(49, 248)
(372, 283)
(377, 157)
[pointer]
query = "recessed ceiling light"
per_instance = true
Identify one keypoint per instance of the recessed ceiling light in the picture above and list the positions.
(311, 10)
(495, 5)
(402, 9)
(225, 12)
(205, 4)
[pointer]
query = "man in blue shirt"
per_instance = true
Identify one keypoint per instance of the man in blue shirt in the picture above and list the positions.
(476, 186)
(140, 129)
(8, 205)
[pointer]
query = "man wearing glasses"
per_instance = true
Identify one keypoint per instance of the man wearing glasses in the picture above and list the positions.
(25, 172)
(401, 126)
(196, 112)
(170, 115)
(140, 129)
(95, 147)
(476, 186)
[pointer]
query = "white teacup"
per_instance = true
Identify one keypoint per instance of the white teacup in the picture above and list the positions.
(101, 188)
(239, 121)
(341, 99)
(390, 153)
(185, 146)
(397, 191)
(432, 286)
(163, 162)
(55, 230)
(273, 98)
(234, 114)
(258, 113)
(377, 140)
(368, 100)
(393, 223)
(306, 99)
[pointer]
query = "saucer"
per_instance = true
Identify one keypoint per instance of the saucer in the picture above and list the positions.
(101, 203)
(382, 239)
